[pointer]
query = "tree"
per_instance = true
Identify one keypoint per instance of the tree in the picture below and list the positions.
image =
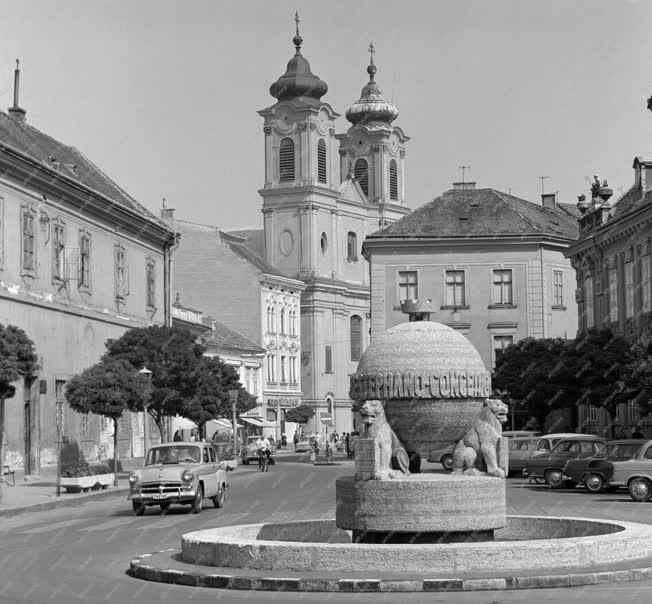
(300, 414)
(17, 360)
(172, 355)
(108, 388)
(528, 371)
(213, 379)
(638, 376)
(595, 370)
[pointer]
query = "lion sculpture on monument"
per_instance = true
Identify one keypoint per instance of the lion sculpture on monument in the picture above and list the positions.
(381, 455)
(482, 438)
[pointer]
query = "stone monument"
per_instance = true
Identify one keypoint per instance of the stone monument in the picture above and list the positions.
(419, 385)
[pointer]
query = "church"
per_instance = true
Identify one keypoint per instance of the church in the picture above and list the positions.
(323, 193)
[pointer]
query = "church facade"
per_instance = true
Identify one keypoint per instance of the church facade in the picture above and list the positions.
(323, 193)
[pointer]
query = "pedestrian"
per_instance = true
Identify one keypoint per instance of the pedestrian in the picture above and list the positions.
(347, 445)
(329, 452)
(636, 432)
(284, 441)
(295, 439)
(353, 442)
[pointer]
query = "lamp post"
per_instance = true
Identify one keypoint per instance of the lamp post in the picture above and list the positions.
(147, 375)
(233, 394)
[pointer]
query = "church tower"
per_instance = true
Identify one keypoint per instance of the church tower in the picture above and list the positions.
(373, 151)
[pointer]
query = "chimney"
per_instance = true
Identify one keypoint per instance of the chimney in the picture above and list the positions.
(582, 204)
(549, 200)
(167, 214)
(16, 112)
(463, 186)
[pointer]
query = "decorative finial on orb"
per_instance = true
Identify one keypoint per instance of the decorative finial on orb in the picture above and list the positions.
(372, 51)
(298, 40)
(17, 63)
(371, 70)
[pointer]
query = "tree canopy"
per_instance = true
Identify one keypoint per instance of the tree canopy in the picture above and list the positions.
(301, 414)
(17, 357)
(173, 357)
(213, 379)
(108, 388)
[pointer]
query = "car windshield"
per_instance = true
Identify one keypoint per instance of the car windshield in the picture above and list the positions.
(173, 454)
(574, 446)
(623, 451)
(523, 445)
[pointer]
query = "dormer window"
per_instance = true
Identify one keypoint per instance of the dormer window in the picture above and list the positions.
(286, 160)
(361, 174)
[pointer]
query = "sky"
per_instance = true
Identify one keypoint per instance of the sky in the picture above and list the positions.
(163, 94)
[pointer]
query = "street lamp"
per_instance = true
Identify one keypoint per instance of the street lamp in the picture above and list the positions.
(233, 394)
(147, 374)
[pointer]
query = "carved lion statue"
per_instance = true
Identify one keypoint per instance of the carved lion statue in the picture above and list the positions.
(393, 459)
(481, 438)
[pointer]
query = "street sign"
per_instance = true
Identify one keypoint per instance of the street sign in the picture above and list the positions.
(325, 418)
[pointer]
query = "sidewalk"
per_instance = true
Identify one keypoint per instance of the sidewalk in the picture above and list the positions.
(42, 495)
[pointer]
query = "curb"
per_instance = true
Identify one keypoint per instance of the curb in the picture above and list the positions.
(140, 569)
(62, 503)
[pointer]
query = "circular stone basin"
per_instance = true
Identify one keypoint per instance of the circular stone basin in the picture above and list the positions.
(526, 543)
(431, 379)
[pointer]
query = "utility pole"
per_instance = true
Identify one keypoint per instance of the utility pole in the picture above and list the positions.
(147, 375)
(543, 179)
(234, 401)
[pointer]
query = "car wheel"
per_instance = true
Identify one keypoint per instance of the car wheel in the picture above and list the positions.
(198, 503)
(138, 508)
(415, 462)
(218, 500)
(640, 489)
(554, 479)
(594, 483)
(447, 462)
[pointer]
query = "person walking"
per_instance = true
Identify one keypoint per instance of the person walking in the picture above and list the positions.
(295, 439)
(347, 445)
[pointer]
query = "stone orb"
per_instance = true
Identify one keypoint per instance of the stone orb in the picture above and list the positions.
(431, 379)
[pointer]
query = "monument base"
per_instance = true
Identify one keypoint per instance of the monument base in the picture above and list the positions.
(379, 537)
(422, 504)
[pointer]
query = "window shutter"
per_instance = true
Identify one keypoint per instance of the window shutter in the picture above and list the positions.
(361, 174)
(393, 180)
(286, 160)
(321, 161)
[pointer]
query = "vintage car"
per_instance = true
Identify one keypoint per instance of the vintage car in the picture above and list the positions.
(519, 433)
(634, 473)
(303, 445)
(250, 451)
(550, 466)
(521, 448)
(595, 473)
(444, 456)
(179, 472)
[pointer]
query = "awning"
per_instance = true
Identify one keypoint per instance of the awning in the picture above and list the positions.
(183, 423)
(254, 422)
(225, 423)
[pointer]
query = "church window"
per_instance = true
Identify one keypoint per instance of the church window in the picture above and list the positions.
(323, 243)
(356, 337)
(286, 160)
(351, 247)
(329, 359)
(393, 180)
(321, 161)
(361, 174)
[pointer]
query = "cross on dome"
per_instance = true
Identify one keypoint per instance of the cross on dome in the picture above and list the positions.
(372, 51)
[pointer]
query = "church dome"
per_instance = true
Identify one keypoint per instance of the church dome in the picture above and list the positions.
(298, 80)
(371, 106)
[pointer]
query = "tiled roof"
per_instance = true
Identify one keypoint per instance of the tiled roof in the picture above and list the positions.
(254, 239)
(239, 247)
(67, 160)
(631, 200)
(223, 336)
(482, 213)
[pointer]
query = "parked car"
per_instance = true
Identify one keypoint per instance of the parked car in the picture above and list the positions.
(250, 451)
(550, 466)
(517, 433)
(521, 448)
(303, 445)
(634, 473)
(595, 473)
(444, 456)
(180, 472)
(223, 445)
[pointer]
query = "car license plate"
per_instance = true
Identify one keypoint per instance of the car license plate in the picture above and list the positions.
(159, 496)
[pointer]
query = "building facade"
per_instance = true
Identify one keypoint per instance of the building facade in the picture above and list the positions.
(613, 261)
(81, 262)
(323, 194)
(491, 264)
(217, 272)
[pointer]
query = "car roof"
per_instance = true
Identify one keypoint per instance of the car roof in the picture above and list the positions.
(181, 443)
(525, 437)
(572, 435)
(627, 441)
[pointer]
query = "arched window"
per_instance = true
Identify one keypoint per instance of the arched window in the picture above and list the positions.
(272, 316)
(361, 174)
(283, 320)
(269, 319)
(321, 161)
(323, 242)
(393, 180)
(286, 160)
(356, 337)
(351, 247)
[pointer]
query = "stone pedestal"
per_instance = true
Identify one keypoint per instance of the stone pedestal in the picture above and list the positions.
(434, 504)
